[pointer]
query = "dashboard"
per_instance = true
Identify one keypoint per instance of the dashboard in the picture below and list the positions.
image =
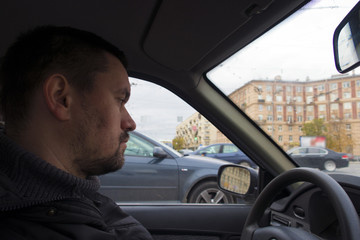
(309, 208)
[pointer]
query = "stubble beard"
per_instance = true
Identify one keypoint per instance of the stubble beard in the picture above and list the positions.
(89, 165)
(89, 160)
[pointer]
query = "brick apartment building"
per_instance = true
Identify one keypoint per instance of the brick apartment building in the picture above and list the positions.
(282, 107)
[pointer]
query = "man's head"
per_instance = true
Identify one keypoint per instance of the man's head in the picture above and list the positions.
(78, 79)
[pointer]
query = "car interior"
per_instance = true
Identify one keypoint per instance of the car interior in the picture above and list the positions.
(174, 44)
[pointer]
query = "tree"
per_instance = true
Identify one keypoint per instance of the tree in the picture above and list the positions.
(336, 137)
(315, 128)
(178, 143)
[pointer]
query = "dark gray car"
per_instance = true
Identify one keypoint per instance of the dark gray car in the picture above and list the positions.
(155, 172)
(318, 157)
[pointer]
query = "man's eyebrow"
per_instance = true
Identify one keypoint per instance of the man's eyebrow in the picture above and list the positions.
(123, 91)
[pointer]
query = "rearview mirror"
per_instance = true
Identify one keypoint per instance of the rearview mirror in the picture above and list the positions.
(346, 41)
(237, 179)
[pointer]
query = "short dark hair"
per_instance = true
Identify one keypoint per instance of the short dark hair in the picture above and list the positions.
(46, 50)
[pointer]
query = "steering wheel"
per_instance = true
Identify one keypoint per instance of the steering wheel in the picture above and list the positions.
(344, 209)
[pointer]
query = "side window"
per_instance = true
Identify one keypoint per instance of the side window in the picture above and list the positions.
(230, 149)
(314, 150)
(154, 169)
(212, 149)
(138, 147)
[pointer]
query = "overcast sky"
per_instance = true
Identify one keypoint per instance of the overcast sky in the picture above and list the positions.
(157, 111)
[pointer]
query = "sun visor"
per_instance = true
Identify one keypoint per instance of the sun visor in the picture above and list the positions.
(196, 27)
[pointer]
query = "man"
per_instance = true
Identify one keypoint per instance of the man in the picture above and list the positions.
(63, 101)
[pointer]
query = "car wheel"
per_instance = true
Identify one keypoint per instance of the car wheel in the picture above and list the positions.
(329, 165)
(208, 192)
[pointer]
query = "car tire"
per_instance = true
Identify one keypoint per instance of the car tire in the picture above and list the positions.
(329, 165)
(208, 192)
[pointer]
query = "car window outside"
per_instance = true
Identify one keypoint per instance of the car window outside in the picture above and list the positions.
(230, 149)
(154, 176)
(286, 81)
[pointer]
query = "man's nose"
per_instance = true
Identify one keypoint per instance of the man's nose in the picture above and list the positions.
(127, 122)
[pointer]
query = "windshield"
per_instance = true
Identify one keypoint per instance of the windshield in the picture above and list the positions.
(286, 81)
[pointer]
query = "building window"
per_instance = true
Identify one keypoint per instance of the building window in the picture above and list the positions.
(333, 86)
(261, 107)
(310, 108)
(278, 89)
(289, 119)
(290, 138)
(279, 98)
(289, 108)
(269, 107)
(321, 87)
(309, 99)
(279, 117)
(288, 99)
(300, 129)
(310, 118)
(358, 83)
(347, 115)
(346, 84)
(280, 128)
(279, 108)
(288, 88)
(268, 88)
(260, 97)
(348, 126)
(280, 138)
(299, 99)
(270, 128)
(269, 98)
(269, 118)
(347, 95)
(290, 128)
(358, 94)
(299, 118)
(334, 97)
(260, 117)
(321, 97)
(334, 106)
(347, 105)
(299, 109)
(309, 89)
(322, 107)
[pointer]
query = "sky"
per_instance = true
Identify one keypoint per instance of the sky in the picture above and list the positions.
(290, 51)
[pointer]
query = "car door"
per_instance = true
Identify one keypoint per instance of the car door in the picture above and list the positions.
(229, 153)
(144, 177)
(316, 157)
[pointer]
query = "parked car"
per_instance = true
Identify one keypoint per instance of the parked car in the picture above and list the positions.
(317, 157)
(154, 172)
(226, 151)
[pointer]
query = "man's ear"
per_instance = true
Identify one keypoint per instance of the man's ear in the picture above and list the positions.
(56, 90)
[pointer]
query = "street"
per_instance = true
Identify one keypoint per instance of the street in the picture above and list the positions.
(353, 169)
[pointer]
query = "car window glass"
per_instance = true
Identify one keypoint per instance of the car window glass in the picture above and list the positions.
(230, 149)
(154, 170)
(138, 147)
(211, 150)
(287, 83)
(314, 150)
